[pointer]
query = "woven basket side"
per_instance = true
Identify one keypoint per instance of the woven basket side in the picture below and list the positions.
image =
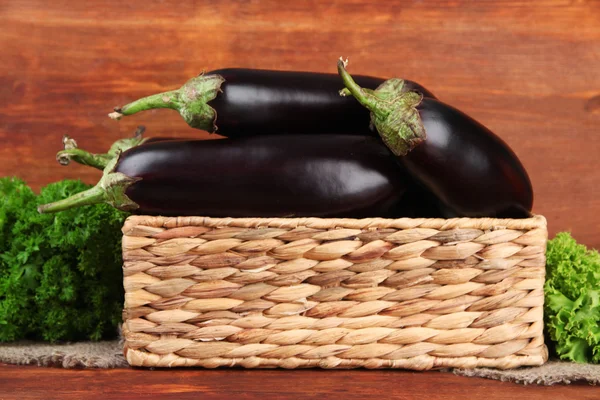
(321, 358)
(224, 293)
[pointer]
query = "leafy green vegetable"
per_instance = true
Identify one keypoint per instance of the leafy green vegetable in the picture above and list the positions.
(60, 274)
(572, 294)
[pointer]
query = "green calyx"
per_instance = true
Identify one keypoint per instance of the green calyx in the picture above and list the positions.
(393, 111)
(110, 190)
(191, 101)
(112, 186)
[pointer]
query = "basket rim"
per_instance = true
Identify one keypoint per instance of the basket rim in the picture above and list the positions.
(534, 222)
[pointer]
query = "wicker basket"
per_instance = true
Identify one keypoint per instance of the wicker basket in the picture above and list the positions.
(334, 293)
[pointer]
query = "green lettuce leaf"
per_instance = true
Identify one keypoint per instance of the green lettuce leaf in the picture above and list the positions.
(572, 299)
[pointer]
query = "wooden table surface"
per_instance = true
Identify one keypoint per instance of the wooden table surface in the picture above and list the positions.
(26, 383)
(526, 69)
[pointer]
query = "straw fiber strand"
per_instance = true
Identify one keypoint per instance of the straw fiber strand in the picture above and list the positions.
(334, 293)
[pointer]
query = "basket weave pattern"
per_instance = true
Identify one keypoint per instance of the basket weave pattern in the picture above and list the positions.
(334, 293)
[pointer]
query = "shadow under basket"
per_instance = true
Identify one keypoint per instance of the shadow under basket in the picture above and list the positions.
(334, 293)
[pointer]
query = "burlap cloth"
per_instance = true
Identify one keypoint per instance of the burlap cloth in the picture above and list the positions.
(108, 354)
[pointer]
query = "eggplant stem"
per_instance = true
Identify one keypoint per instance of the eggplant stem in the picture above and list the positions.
(91, 196)
(190, 100)
(363, 96)
(99, 161)
(394, 112)
(110, 189)
(116, 115)
(83, 157)
(112, 186)
(169, 99)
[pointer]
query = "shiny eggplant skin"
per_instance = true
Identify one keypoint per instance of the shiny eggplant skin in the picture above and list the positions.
(265, 176)
(467, 167)
(263, 102)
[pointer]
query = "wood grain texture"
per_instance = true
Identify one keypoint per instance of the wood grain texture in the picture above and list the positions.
(528, 70)
(26, 383)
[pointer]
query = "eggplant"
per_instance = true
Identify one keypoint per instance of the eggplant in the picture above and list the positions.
(462, 163)
(259, 176)
(237, 102)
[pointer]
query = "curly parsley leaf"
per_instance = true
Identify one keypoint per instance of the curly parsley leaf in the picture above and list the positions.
(60, 274)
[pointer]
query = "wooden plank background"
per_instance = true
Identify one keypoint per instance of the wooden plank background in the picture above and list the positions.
(527, 69)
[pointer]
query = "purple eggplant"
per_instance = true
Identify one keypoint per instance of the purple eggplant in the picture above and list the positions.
(236, 102)
(259, 176)
(462, 163)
